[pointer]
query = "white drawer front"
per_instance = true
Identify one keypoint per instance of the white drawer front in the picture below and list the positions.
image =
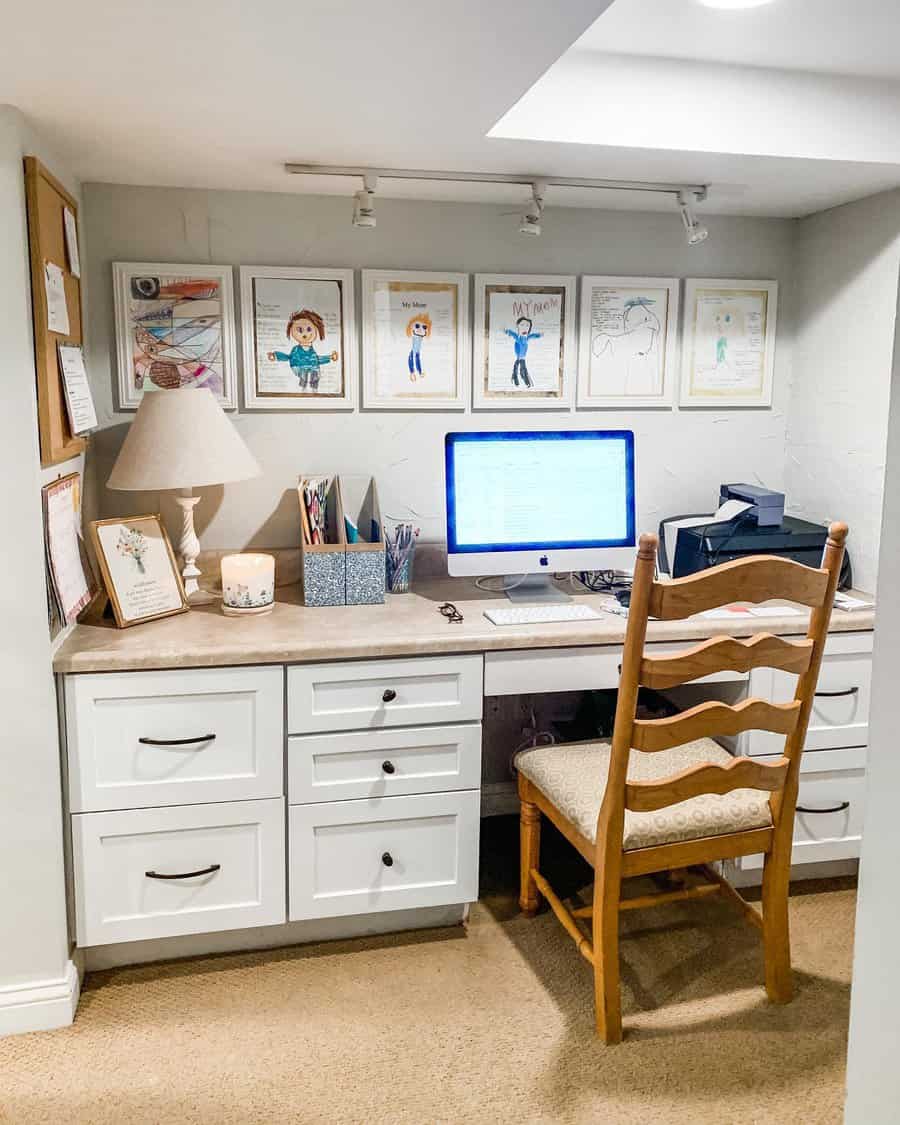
(383, 763)
(828, 824)
(840, 713)
(390, 853)
(145, 739)
(527, 671)
(368, 694)
(117, 900)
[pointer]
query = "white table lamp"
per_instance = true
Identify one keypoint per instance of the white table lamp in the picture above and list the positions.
(181, 439)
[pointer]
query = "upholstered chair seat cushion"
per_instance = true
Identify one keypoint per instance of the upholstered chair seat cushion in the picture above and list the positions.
(573, 778)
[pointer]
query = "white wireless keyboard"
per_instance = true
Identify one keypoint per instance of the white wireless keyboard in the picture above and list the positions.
(540, 614)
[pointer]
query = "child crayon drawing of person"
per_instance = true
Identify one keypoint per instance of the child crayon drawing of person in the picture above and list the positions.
(728, 322)
(304, 328)
(522, 337)
(417, 330)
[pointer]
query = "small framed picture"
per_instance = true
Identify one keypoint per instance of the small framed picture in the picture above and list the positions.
(415, 340)
(138, 568)
(174, 328)
(524, 341)
(627, 345)
(728, 346)
(299, 334)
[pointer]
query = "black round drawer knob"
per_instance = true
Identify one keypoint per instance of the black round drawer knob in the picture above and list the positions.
(387, 767)
(387, 859)
(389, 695)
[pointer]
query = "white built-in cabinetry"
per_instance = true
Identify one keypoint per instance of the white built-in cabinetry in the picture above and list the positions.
(211, 799)
(185, 820)
(831, 799)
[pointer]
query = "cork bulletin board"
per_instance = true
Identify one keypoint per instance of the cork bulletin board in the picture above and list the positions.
(47, 201)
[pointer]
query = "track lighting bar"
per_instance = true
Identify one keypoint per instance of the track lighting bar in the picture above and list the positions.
(697, 190)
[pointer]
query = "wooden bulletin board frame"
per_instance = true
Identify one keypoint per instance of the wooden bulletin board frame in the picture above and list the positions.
(46, 200)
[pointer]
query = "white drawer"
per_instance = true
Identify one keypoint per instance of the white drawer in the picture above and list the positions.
(840, 713)
(383, 763)
(368, 694)
(388, 853)
(117, 899)
(590, 668)
(145, 739)
(828, 824)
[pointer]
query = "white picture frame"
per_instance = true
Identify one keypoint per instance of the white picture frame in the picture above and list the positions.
(161, 351)
(294, 289)
(627, 342)
(496, 364)
(398, 374)
(725, 362)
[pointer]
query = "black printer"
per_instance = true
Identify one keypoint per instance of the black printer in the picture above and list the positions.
(700, 543)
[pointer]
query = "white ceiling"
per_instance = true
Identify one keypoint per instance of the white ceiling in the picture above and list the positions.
(855, 37)
(220, 93)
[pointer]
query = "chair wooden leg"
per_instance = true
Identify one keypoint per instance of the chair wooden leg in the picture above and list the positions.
(529, 853)
(775, 925)
(607, 998)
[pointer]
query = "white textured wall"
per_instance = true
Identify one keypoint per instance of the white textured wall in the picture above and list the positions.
(33, 939)
(846, 263)
(873, 1078)
(681, 456)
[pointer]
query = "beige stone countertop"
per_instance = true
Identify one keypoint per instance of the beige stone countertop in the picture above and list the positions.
(406, 625)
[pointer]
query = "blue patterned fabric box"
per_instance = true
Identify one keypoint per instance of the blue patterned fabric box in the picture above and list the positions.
(323, 575)
(365, 573)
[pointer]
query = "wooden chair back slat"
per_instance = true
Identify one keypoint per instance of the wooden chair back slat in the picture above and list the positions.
(725, 654)
(740, 773)
(714, 718)
(756, 579)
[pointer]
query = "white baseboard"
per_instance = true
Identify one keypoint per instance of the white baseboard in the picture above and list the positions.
(40, 1005)
(272, 937)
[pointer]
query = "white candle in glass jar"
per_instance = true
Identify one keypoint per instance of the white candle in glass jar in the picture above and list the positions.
(248, 584)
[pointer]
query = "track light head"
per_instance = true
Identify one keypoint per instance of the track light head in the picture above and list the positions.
(364, 209)
(364, 204)
(530, 222)
(694, 230)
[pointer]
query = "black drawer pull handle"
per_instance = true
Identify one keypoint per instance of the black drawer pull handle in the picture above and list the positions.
(387, 767)
(176, 741)
(837, 808)
(389, 695)
(185, 874)
(835, 694)
(387, 859)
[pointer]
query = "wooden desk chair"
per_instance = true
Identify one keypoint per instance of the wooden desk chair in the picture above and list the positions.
(683, 800)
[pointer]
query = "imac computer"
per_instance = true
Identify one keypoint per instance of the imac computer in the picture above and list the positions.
(533, 502)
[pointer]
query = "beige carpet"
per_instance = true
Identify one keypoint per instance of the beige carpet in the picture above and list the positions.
(489, 1024)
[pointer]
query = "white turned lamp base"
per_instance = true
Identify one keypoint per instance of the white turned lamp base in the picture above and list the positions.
(189, 549)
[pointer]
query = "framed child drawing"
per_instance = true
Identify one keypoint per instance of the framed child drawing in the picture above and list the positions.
(174, 328)
(524, 341)
(728, 349)
(415, 340)
(299, 338)
(627, 345)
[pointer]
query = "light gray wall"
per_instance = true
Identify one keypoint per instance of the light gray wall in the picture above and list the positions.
(33, 938)
(682, 456)
(873, 1077)
(846, 263)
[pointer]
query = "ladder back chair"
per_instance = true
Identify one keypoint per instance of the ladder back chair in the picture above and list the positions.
(662, 796)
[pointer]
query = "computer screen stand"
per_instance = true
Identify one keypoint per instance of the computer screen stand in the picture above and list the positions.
(535, 589)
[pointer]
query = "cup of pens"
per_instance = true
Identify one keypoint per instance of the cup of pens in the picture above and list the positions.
(399, 551)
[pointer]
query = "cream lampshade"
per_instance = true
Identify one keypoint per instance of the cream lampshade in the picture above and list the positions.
(181, 439)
